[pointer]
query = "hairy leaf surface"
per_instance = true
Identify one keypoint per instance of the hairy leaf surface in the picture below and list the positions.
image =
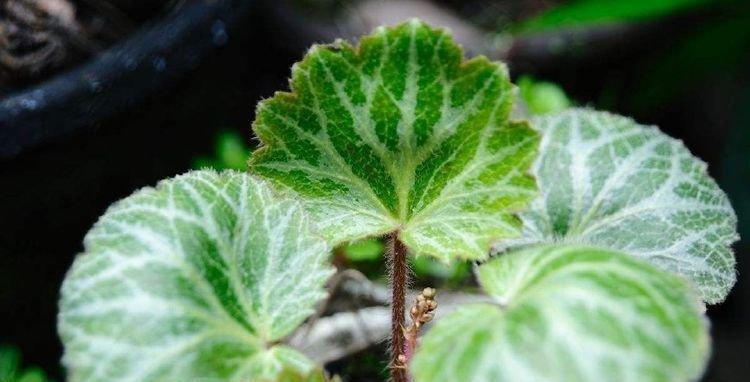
(192, 281)
(570, 313)
(610, 182)
(400, 134)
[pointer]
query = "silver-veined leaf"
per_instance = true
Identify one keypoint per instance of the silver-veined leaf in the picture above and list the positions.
(610, 182)
(570, 313)
(401, 134)
(192, 281)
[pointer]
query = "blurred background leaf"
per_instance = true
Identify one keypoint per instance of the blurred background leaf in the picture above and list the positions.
(542, 97)
(11, 369)
(230, 153)
(711, 51)
(365, 250)
(585, 13)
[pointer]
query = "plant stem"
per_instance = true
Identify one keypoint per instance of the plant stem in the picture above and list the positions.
(398, 273)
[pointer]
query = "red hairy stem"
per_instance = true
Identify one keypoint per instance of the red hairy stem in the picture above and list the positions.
(398, 273)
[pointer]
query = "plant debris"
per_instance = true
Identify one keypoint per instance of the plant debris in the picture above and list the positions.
(41, 37)
(37, 36)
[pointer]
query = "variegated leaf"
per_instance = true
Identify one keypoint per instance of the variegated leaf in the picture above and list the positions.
(608, 181)
(570, 313)
(400, 134)
(193, 280)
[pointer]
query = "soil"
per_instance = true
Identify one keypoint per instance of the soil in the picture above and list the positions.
(39, 38)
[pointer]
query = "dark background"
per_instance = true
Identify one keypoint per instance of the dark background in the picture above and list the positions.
(686, 70)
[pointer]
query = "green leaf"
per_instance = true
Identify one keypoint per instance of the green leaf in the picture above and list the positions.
(542, 97)
(584, 13)
(400, 134)
(448, 275)
(32, 375)
(11, 370)
(317, 375)
(610, 182)
(192, 280)
(230, 153)
(369, 249)
(10, 363)
(570, 313)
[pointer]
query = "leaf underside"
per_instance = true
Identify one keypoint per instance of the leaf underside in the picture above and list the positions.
(192, 280)
(400, 134)
(609, 182)
(570, 313)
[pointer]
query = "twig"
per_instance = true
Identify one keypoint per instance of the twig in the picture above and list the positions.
(355, 287)
(334, 337)
(342, 334)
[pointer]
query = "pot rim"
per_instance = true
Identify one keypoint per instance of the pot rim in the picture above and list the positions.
(156, 55)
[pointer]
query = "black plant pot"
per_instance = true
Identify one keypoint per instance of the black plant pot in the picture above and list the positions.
(136, 113)
(152, 58)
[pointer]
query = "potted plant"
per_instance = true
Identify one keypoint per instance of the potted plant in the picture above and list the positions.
(596, 240)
